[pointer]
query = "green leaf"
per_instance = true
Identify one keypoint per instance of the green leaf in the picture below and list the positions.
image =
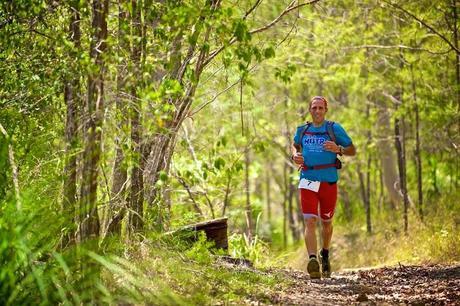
(219, 163)
(163, 176)
(269, 52)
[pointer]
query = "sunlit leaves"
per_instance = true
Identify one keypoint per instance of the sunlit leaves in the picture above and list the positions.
(219, 163)
(241, 31)
(285, 73)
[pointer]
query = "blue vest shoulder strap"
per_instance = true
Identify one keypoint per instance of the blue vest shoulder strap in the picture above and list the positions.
(330, 130)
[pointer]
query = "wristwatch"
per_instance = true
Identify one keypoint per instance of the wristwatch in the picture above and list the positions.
(341, 150)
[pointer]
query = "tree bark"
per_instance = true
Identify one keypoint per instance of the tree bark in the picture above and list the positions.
(346, 203)
(285, 197)
(457, 76)
(73, 104)
(457, 54)
(400, 148)
(268, 197)
(248, 210)
(417, 153)
(386, 154)
(120, 173)
(227, 194)
(365, 197)
(89, 227)
(136, 192)
(291, 213)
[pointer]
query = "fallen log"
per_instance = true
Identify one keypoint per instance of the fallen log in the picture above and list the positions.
(215, 231)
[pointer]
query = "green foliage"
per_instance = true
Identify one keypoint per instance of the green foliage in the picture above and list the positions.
(242, 247)
(200, 251)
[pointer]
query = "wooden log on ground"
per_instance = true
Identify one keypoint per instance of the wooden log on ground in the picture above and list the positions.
(215, 230)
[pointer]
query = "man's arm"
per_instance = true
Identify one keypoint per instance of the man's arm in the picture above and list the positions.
(333, 147)
(350, 150)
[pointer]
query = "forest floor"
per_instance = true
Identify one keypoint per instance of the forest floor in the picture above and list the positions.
(407, 285)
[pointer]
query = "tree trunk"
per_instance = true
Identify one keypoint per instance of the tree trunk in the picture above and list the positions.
(457, 54)
(268, 197)
(285, 197)
(89, 227)
(457, 77)
(73, 104)
(381, 187)
(249, 221)
(365, 197)
(136, 192)
(227, 194)
(417, 153)
(120, 173)
(386, 154)
(291, 213)
(365, 183)
(368, 197)
(346, 204)
(400, 148)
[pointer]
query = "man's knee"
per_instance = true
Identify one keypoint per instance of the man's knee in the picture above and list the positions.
(327, 226)
(310, 223)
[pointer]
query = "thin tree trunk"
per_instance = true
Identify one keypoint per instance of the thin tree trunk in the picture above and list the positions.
(346, 203)
(457, 77)
(120, 173)
(268, 197)
(399, 143)
(368, 195)
(292, 224)
(136, 192)
(187, 188)
(249, 222)
(365, 185)
(227, 194)
(89, 227)
(285, 196)
(365, 199)
(290, 188)
(73, 103)
(382, 193)
(417, 153)
(400, 133)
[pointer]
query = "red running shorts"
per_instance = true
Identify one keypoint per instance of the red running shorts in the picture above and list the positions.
(326, 197)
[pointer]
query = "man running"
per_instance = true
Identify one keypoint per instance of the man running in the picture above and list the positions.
(315, 150)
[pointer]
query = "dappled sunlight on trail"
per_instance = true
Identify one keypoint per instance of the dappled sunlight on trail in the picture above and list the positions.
(420, 285)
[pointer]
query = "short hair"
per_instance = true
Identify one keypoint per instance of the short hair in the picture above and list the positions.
(321, 98)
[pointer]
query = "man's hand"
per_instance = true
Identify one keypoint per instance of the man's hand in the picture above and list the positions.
(298, 158)
(331, 146)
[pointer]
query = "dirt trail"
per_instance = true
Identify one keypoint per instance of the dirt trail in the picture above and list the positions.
(411, 285)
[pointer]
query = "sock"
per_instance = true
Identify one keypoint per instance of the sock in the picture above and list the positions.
(312, 256)
(325, 253)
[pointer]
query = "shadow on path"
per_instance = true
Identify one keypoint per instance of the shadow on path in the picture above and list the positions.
(410, 285)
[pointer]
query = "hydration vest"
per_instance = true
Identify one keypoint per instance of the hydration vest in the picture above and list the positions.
(331, 134)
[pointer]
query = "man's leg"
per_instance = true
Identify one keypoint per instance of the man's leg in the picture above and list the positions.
(328, 200)
(309, 200)
(327, 233)
(310, 241)
(310, 235)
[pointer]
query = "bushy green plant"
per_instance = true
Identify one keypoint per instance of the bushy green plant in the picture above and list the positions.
(200, 251)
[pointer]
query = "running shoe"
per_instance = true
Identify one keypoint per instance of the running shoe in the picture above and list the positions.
(313, 268)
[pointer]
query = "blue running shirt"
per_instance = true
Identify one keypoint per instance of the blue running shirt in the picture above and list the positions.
(314, 154)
